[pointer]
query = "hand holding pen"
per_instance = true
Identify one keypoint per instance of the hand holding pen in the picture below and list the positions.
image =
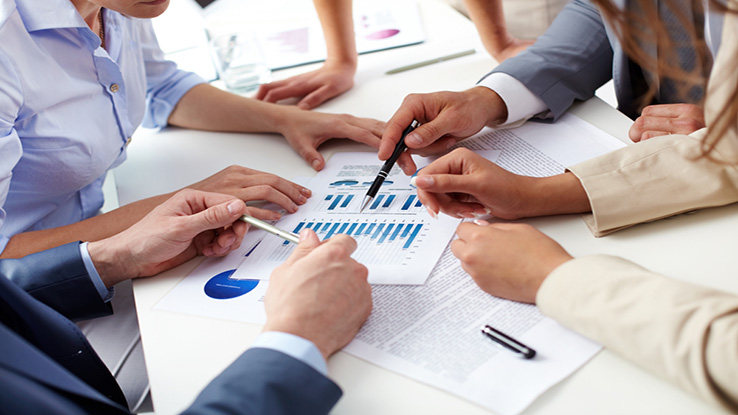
(400, 148)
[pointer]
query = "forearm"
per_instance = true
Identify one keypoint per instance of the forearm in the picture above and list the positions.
(93, 229)
(489, 20)
(684, 333)
(206, 107)
(336, 19)
(556, 195)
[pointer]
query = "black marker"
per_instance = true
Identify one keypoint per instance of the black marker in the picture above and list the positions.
(508, 343)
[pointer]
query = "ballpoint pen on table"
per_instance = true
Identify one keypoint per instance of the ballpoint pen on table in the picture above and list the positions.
(387, 166)
(508, 343)
(430, 62)
(271, 228)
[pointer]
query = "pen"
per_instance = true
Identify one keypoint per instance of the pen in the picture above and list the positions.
(384, 171)
(430, 62)
(508, 343)
(271, 228)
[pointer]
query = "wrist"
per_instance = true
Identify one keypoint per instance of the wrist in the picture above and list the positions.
(556, 195)
(495, 107)
(111, 262)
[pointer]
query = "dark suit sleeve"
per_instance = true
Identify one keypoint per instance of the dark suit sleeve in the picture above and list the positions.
(57, 277)
(569, 61)
(265, 381)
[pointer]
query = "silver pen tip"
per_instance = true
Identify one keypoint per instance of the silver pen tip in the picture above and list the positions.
(364, 204)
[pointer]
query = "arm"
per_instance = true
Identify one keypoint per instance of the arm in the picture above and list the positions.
(489, 20)
(337, 74)
(684, 333)
(319, 294)
(568, 62)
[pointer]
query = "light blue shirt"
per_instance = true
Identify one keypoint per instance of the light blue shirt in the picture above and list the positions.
(68, 108)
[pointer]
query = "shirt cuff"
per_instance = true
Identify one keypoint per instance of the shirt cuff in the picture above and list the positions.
(295, 346)
(105, 293)
(521, 103)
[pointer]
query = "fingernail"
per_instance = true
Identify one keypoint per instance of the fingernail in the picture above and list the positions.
(424, 181)
(413, 180)
(228, 241)
(234, 207)
(467, 215)
(207, 251)
(303, 234)
(450, 144)
(305, 191)
(481, 222)
(413, 139)
(302, 200)
(432, 214)
(316, 164)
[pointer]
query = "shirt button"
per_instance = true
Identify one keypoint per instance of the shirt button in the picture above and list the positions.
(114, 88)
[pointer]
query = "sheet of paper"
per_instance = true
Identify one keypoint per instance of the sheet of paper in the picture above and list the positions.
(431, 333)
(397, 239)
(291, 35)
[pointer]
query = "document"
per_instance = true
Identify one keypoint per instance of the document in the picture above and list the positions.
(432, 333)
(291, 35)
(398, 241)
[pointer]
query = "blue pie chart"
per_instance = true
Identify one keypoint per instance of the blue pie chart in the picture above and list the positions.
(222, 287)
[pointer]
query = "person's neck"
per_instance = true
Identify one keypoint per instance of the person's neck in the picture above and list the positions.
(89, 12)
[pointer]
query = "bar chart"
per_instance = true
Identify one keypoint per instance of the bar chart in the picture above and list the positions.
(398, 202)
(378, 241)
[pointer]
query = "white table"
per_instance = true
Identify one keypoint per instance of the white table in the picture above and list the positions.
(183, 353)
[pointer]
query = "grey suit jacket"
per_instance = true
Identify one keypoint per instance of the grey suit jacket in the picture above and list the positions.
(578, 54)
(47, 366)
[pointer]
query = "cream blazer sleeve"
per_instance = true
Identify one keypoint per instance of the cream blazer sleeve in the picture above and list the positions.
(666, 175)
(684, 333)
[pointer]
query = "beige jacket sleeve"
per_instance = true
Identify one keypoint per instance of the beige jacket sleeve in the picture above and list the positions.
(684, 333)
(665, 176)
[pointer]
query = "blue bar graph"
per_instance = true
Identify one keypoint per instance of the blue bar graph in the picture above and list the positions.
(418, 204)
(351, 228)
(386, 232)
(329, 197)
(369, 229)
(361, 228)
(388, 202)
(335, 202)
(379, 230)
(347, 201)
(408, 202)
(415, 232)
(397, 231)
(333, 229)
(377, 201)
(342, 228)
(407, 230)
(298, 227)
(325, 227)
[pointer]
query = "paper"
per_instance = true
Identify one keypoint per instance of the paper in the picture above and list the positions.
(432, 333)
(291, 34)
(397, 239)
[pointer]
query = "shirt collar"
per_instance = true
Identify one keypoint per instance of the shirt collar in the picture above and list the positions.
(49, 14)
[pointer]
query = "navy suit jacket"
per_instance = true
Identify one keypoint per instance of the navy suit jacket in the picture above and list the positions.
(578, 54)
(48, 367)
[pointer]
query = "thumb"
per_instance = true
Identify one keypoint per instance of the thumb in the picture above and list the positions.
(311, 155)
(216, 216)
(308, 241)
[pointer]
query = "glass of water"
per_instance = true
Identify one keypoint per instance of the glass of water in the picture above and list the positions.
(240, 61)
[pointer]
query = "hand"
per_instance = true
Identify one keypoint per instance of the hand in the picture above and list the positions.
(464, 184)
(507, 260)
(305, 131)
(189, 223)
(319, 293)
(247, 184)
(666, 119)
(313, 88)
(445, 118)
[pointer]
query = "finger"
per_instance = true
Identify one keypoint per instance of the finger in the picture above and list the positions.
(407, 164)
(216, 216)
(263, 214)
(339, 246)
(310, 155)
(445, 183)
(287, 91)
(404, 115)
(308, 242)
(317, 97)
(439, 147)
(362, 135)
(651, 134)
(265, 88)
(666, 110)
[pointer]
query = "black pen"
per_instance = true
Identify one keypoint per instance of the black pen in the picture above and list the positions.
(384, 171)
(508, 343)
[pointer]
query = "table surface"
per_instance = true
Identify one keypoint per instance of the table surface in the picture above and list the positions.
(183, 352)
